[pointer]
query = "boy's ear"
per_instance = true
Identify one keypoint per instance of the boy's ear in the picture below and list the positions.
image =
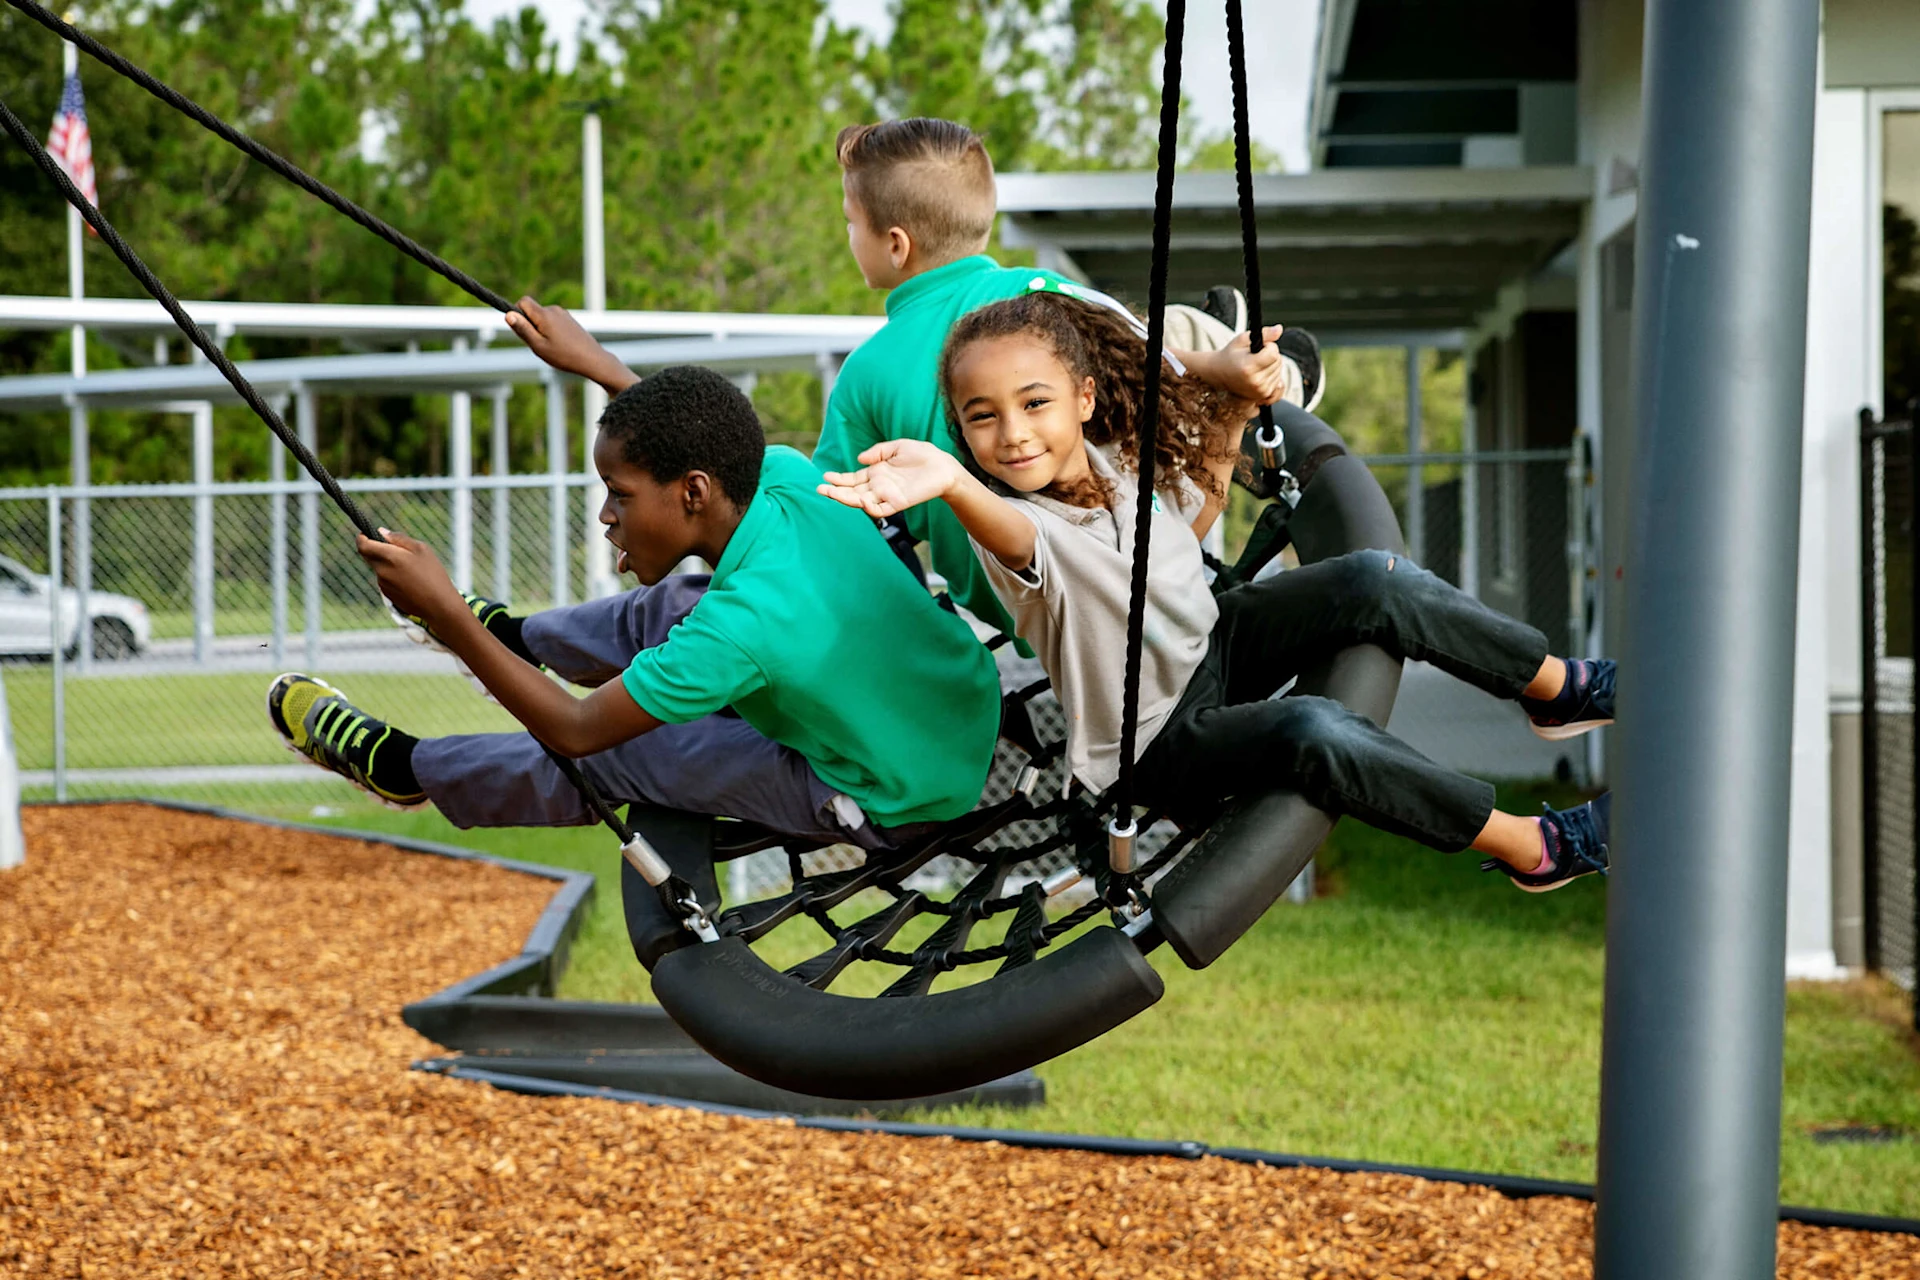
(696, 490)
(899, 247)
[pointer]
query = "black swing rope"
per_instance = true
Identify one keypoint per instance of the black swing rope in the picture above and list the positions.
(1121, 827)
(674, 890)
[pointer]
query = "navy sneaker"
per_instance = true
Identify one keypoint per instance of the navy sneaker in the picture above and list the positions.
(1576, 845)
(1584, 703)
(1301, 347)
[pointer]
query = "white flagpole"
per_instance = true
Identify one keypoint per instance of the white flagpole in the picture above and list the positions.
(79, 443)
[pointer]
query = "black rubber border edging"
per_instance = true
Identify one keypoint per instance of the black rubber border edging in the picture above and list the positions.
(1511, 1186)
(555, 929)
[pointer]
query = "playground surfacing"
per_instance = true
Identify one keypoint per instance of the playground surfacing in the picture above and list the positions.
(205, 1073)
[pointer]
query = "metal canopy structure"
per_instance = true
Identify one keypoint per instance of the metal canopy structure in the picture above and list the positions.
(1348, 253)
(394, 326)
(1430, 82)
(403, 373)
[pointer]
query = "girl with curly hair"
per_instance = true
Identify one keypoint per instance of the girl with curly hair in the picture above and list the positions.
(1045, 394)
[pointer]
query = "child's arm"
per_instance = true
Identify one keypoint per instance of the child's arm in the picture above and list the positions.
(1240, 371)
(556, 337)
(898, 474)
(412, 577)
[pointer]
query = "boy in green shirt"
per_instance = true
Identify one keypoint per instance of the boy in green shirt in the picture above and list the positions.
(920, 203)
(808, 684)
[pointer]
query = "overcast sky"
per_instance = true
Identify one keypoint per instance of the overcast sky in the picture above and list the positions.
(1280, 40)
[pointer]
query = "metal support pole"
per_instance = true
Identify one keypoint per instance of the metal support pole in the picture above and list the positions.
(1469, 488)
(560, 591)
(1696, 912)
(827, 366)
(460, 467)
(597, 577)
(58, 635)
(203, 533)
(277, 547)
(306, 427)
(80, 445)
(1416, 474)
(502, 499)
(1577, 545)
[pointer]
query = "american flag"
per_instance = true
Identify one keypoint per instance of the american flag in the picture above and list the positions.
(69, 142)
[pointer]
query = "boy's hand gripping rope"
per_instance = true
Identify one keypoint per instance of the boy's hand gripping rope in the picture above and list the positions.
(677, 894)
(1272, 445)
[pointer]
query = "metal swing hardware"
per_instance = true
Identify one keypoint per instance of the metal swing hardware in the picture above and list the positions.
(653, 868)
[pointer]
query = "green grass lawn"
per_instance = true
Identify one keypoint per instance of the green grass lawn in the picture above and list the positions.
(1417, 1012)
(155, 721)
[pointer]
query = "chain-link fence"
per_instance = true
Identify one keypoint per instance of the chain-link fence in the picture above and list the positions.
(195, 596)
(1890, 759)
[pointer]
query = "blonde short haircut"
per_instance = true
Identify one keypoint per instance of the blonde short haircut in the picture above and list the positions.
(931, 178)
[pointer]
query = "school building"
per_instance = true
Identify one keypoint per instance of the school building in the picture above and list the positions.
(1473, 186)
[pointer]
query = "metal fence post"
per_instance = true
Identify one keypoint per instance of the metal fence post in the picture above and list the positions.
(460, 466)
(498, 442)
(277, 547)
(307, 429)
(1577, 546)
(1871, 642)
(596, 571)
(55, 588)
(1469, 488)
(1416, 475)
(203, 533)
(557, 540)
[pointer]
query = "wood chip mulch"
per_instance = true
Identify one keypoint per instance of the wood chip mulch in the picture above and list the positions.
(203, 1072)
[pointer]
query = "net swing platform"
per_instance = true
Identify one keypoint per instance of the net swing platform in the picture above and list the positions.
(1054, 976)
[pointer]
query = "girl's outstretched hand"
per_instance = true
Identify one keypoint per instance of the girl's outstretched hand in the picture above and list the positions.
(898, 474)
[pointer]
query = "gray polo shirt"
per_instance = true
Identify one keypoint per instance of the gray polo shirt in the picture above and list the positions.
(1070, 604)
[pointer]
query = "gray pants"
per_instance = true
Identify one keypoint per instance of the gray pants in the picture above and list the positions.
(719, 764)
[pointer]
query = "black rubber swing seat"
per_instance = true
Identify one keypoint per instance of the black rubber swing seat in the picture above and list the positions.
(1055, 988)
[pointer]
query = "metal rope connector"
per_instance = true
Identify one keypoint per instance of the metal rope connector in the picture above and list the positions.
(1061, 881)
(1120, 845)
(642, 858)
(697, 922)
(1272, 445)
(1026, 780)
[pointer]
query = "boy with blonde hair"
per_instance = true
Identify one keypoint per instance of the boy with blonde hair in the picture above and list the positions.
(920, 202)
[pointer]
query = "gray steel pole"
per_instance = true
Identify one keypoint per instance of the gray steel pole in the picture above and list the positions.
(502, 499)
(1416, 476)
(55, 586)
(307, 427)
(1696, 910)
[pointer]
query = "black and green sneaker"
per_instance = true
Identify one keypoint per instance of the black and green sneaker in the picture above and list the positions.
(490, 612)
(316, 721)
(493, 615)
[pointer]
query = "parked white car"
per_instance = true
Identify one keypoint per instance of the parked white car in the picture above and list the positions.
(119, 624)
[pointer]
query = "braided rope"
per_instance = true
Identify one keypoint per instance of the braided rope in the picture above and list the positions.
(271, 159)
(1150, 418)
(1243, 185)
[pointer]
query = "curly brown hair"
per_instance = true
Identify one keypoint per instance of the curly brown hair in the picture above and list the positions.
(1198, 424)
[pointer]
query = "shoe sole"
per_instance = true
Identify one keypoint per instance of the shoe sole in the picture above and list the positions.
(1562, 732)
(1549, 888)
(286, 744)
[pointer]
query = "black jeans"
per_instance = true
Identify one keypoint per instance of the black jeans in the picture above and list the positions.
(1229, 736)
